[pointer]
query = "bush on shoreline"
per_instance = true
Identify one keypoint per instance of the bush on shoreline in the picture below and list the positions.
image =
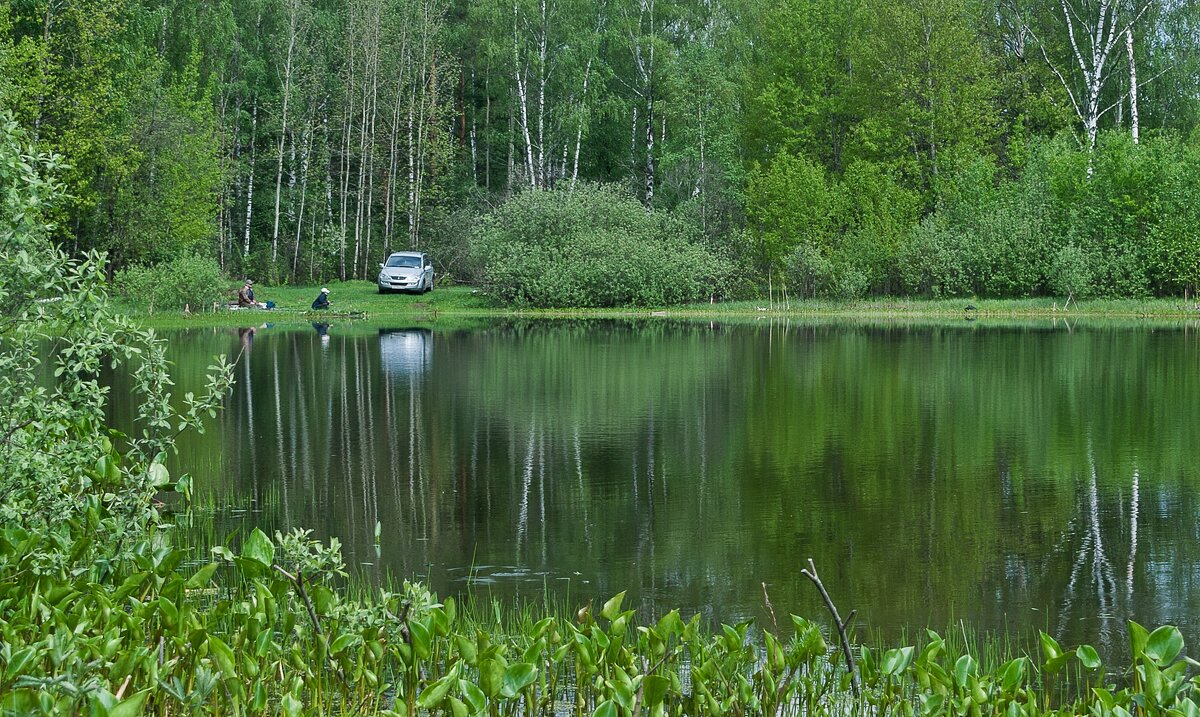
(593, 247)
(185, 281)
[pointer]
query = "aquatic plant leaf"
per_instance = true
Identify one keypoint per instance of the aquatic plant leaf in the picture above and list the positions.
(201, 577)
(1088, 657)
(343, 641)
(1012, 674)
(1055, 665)
(670, 624)
(932, 704)
(612, 608)
(473, 695)
(433, 695)
(16, 665)
(420, 639)
(1138, 637)
(517, 677)
(1105, 697)
(131, 707)
(259, 547)
(964, 668)
(291, 705)
(466, 649)
(1050, 646)
(223, 654)
(1164, 645)
(607, 708)
(654, 689)
(491, 676)
(896, 661)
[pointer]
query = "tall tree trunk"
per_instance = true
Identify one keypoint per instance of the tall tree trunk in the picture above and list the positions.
(1134, 119)
(371, 159)
(541, 164)
(648, 172)
(305, 154)
(473, 142)
(250, 181)
(587, 72)
(487, 128)
(412, 165)
(293, 36)
(523, 102)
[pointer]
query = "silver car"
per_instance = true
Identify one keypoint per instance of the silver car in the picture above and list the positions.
(408, 271)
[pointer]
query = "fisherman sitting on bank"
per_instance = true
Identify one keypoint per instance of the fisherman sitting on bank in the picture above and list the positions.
(245, 297)
(322, 300)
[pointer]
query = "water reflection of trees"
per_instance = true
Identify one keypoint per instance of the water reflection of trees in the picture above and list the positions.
(933, 473)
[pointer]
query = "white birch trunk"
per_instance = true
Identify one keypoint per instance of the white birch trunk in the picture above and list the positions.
(250, 182)
(523, 101)
(293, 9)
(474, 150)
(1134, 118)
(587, 72)
(1101, 33)
(541, 159)
(371, 156)
(305, 154)
(412, 166)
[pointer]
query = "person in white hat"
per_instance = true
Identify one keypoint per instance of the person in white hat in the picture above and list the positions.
(322, 300)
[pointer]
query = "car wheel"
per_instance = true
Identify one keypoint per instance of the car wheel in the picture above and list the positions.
(429, 285)
(383, 290)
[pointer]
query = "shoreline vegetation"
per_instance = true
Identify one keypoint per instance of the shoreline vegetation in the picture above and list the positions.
(274, 627)
(358, 301)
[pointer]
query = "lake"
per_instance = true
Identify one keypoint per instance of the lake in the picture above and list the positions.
(1014, 476)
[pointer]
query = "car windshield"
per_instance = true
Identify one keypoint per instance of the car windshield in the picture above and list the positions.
(409, 262)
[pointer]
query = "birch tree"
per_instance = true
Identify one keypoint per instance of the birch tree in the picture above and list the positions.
(294, 33)
(1093, 28)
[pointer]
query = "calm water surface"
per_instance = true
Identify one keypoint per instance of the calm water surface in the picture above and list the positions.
(1016, 478)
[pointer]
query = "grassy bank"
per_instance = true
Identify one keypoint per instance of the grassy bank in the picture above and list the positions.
(359, 300)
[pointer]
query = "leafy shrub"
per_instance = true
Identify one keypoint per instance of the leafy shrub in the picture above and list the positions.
(592, 247)
(60, 468)
(1175, 237)
(849, 282)
(811, 275)
(187, 280)
(809, 272)
(446, 236)
(878, 215)
(790, 202)
(933, 262)
(1071, 273)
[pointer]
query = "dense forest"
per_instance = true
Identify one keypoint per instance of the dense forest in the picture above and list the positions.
(825, 147)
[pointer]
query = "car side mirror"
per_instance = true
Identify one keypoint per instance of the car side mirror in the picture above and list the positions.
(429, 267)
(382, 266)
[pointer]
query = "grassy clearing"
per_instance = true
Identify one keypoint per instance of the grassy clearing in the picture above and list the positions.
(359, 300)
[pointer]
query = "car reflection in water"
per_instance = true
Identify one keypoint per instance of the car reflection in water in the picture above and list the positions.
(406, 351)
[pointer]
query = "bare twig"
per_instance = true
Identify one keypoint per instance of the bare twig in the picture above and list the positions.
(770, 608)
(811, 574)
(121, 692)
(298, 581)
